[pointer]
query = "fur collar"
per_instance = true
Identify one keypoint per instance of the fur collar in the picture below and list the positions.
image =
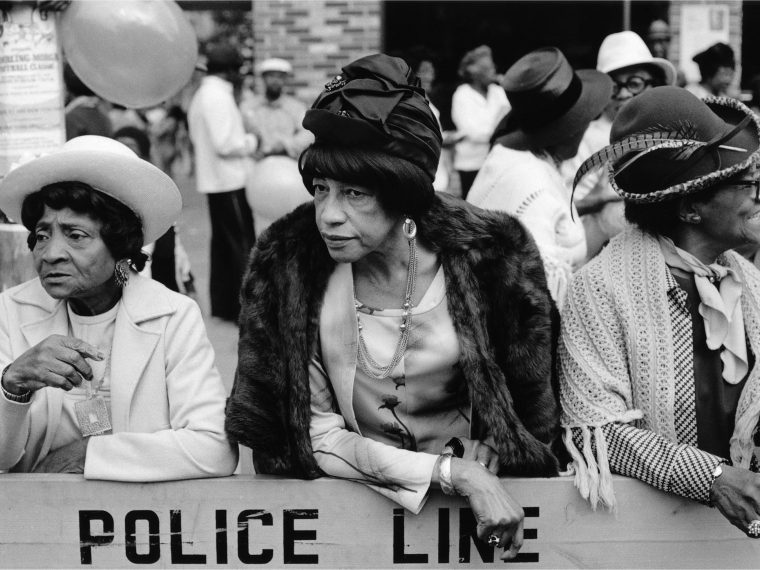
(497, 297)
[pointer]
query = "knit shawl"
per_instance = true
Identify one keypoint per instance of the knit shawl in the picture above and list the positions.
(617, 357)
(496, 295)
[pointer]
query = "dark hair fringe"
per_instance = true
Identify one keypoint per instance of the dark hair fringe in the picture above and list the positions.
(121, 229)
(401, 186)
(659, 218)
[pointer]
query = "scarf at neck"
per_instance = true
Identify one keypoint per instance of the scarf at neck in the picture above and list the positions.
(720, 307)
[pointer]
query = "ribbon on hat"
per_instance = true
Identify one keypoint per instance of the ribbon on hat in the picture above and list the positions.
(720, 308)
(371, 90)
(377, 102)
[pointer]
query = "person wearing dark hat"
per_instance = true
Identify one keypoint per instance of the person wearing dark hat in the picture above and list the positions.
(104, 372)
(85, 112)
(717, 67)
(386, 328)
(552, 105)
(660, 335)
(221, 148)
(658, 38)
(626, 59)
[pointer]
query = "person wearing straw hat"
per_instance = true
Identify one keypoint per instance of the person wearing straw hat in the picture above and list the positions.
(552, 105)
(104, 372)
(626, 59)
(659, 375)
(391, 335)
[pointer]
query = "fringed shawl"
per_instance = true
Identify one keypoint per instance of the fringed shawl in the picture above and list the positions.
(617, 358)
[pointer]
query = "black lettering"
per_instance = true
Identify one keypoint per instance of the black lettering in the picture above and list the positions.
(290, 535)
(443, 535)
(399, 545)
(86, 539)
(154, 538)
(244, 554)
(221, 537)
(468, 532)
(175, 541)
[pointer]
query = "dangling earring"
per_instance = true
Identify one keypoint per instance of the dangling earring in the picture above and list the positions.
(693, 219)
(409, 228)
(121, 272)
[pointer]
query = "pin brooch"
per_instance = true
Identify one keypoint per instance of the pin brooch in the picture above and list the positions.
(335, 83)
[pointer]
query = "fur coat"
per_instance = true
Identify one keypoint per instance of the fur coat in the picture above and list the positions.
(499, 304)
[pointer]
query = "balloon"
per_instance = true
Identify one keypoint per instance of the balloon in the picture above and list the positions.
(136, 53)
(273, 189)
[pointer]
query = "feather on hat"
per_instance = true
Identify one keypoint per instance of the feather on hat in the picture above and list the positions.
(667, 142)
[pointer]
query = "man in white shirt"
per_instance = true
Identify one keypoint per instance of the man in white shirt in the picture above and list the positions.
(221, 147)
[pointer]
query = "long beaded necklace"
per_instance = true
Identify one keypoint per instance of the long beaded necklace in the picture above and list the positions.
(368, 364)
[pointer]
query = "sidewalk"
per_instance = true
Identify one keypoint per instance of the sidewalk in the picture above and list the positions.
(195, 232)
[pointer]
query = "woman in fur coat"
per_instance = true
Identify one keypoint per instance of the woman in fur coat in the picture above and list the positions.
(389, 335)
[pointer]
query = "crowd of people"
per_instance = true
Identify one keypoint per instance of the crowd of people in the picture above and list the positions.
(587, 305)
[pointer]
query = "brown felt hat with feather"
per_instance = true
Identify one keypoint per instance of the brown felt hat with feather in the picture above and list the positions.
(667, 142)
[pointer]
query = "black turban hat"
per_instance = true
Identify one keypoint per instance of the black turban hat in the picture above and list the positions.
(377, 102)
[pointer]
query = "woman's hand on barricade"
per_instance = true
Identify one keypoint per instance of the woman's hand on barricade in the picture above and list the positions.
(67, 459)
(496, 511)
(481, 452)
(736, 494)
(58, 361)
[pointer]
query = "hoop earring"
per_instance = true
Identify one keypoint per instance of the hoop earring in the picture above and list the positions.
(121, 272)
(409, 228)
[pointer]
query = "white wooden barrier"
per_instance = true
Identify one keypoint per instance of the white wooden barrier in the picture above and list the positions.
(63, 521)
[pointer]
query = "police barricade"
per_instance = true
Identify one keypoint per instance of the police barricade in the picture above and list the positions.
(63, 521)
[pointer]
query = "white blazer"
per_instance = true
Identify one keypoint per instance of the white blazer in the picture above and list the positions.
(167, 398)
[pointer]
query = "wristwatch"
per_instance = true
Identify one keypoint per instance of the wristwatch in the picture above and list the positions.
(20, 398)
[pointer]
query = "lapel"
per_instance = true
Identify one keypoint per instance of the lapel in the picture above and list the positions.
(338, 321)
(43, 316)
(136, 334)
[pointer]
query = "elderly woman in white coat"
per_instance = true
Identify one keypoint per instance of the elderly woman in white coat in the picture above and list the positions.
(104, 372)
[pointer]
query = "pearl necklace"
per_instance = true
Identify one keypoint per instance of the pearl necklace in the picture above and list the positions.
(368, 364)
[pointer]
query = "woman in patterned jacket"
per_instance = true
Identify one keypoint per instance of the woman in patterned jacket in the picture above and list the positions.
(661, 331)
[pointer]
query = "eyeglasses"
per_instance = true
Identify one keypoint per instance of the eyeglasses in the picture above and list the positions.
(747, 184)
(634, 84)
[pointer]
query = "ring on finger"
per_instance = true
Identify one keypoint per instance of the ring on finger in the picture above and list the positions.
(753, 529)
(483, 464)
(493, 540)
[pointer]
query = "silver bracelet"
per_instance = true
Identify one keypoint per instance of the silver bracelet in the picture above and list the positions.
(20, 398)
(444, 474)
(717, 472)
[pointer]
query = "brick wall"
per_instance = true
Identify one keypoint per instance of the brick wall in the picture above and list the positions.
(317, 36)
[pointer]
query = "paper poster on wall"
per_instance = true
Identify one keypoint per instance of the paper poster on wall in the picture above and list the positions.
(31, 86)
(701, 26)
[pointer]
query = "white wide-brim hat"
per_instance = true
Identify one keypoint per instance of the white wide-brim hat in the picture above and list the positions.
(626, 49)
(108, 166)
